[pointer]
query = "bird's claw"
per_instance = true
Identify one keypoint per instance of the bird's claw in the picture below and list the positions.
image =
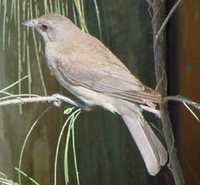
(60, 98)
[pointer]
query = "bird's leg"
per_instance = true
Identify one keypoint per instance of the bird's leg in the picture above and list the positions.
(85, 106)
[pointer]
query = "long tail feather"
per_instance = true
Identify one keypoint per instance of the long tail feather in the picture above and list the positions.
(151, 149)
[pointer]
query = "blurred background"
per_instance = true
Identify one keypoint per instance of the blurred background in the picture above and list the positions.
(105, 151)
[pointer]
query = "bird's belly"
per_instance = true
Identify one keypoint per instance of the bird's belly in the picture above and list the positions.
(90, 97)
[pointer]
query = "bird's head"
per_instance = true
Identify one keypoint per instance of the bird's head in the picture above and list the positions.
(53, 27)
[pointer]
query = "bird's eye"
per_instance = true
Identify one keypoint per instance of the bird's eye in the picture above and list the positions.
(44, 27)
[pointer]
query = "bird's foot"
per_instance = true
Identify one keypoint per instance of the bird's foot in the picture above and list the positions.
(60, 98)
(85, 107)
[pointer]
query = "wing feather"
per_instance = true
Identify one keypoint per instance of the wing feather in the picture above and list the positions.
(104, 81)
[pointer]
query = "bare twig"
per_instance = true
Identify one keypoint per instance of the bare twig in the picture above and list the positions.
(182, 99)
(186, 102)
(167, 19)
(149, 2)
(158, 25)
(191, 111)
(57, 99)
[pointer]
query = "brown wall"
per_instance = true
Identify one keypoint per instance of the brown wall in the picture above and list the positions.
(184, 75)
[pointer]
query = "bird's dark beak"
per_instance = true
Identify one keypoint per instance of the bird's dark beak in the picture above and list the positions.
(33, 23)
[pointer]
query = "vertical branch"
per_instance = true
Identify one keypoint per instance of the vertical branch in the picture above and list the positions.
(19, 50)
(98, 19)
(4, 23)
(158, 24)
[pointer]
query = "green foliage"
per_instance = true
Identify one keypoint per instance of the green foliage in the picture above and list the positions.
(29, 49)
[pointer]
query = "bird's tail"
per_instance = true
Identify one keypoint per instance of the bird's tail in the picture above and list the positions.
(151, 149)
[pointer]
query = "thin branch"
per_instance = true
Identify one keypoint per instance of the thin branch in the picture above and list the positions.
(167, 19)
(159, 23)
(57, 99)
(182, 99)
(150, 3)
(186, 102)
(191, 111)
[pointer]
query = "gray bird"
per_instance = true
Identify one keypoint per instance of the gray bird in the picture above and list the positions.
(89, 70)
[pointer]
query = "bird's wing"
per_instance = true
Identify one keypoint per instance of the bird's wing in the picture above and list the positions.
(110, 79)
